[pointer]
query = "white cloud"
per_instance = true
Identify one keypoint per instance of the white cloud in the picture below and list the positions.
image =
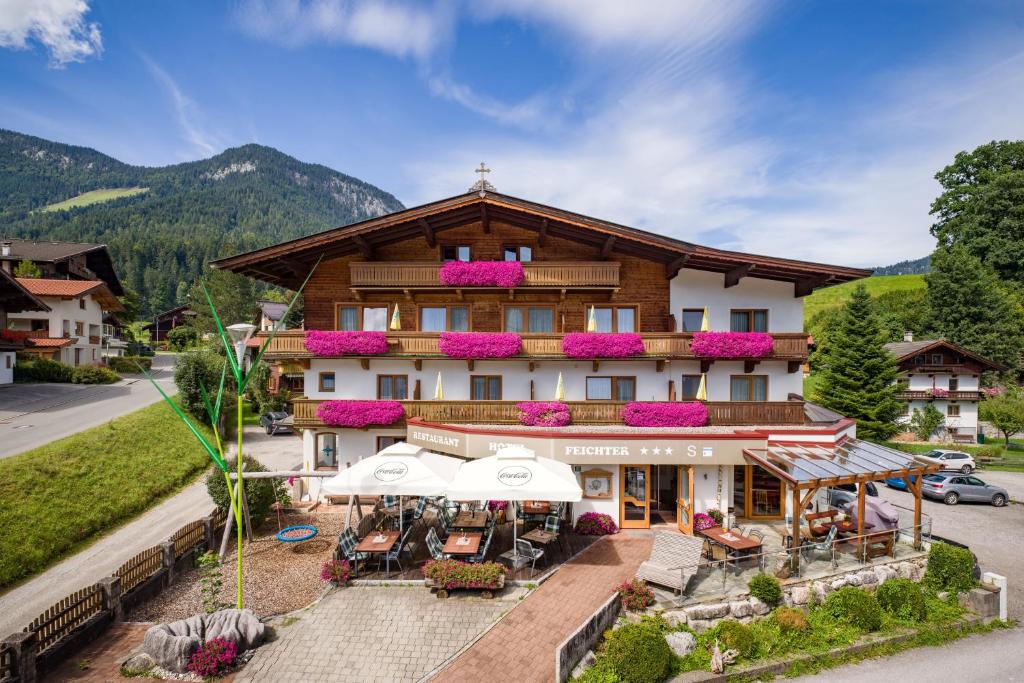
(187, 113)
(58, 25)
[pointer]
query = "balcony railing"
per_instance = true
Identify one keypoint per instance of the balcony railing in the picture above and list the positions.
(928, 396)
(720, 413)
(552, 274)
(788, 346)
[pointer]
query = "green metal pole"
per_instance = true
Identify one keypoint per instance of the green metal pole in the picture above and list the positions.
(238, 502)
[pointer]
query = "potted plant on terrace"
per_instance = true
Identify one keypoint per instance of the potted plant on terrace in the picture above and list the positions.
(446, 575)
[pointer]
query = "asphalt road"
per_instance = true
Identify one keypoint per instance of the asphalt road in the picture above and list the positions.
(32, 415)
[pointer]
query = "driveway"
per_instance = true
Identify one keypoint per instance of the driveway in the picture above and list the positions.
(33, 415)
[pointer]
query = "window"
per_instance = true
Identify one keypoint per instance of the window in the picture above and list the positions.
(919, 359)
(752, 320)
(79, 329)
(456, 252)
(7, 360)
(385, 441)
(611, 388)
(613, 318)
(528, 319)
(370, 318)
(392, 387)
(688, 387)
(485, 387)
(81, 304)
(692, 319)
(904, 409)
(748, 388)
(518, 252)
(953, 410)
(444, 319)
(326, 451)
(326, 381)
(936, 359)
(954, 383)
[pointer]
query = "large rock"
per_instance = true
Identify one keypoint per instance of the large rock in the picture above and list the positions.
(588, 661)
(853, 579)
(759, 607)
(801, 595)
(838, 583)
(681, 642)
(701, 625)
(868, 578)
(884, 573)
(137, 663)
(740, 608)
(712, 611)
(171, 645)
(908, 570)
(821, 591)
(675, 617)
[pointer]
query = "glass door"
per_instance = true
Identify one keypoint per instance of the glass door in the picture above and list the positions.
(685, 507)
(634, 506)
(765, 494)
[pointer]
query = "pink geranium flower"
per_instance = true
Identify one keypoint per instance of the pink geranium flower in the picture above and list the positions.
(480, 344)
(544, 414)
(732, 344)
(602, 345)
(344, 343)
(665, 414)
(358, 414)
(482, 274)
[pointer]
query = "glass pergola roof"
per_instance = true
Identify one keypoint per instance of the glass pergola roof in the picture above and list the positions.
(851, 460)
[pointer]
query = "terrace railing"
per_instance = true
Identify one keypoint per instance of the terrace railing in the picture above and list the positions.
(551, 274)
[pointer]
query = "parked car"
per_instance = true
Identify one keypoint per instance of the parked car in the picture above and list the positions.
(898, 483)
(844, 494)
(951, 488)
(956, 461)
(277, 422)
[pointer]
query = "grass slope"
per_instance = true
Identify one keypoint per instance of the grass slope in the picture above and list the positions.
(837, 295)
(66, 494)
(95, 197)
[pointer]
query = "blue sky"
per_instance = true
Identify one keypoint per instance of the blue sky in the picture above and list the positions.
(806, 129)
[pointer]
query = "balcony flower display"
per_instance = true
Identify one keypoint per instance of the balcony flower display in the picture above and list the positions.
(480, 344)
(342, 343)
(482, 274)
(665, 414)
(731, 344)
(359, 414)
(936, 392)
(586, 345)
(544, 414)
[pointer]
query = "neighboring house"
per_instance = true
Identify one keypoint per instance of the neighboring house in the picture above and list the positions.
(168, 320)
(578, 272)
(947, 376)
(14, 298)
(270, 312)
(62, 260)
(72, 330)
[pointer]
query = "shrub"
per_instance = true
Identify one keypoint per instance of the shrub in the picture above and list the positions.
(902, 598)
(345, 343)
(638, 654)
(93, 374)
(544, 414)
(210, 581)
(201, 366)
(856, 606)
(635, 594)
(42, 370)
(482, 274)
(337, 571)
(731, 344)
(766, 588)
(665, 414)
(456, 574)
(213, 658)
(702, 521)
(260, 494)
(182, 337)
(950, 568)
(586, 345)
(735, 636)
(479, 344)
(129, 364)
(595, 524)
(790, 620)
(360, 413)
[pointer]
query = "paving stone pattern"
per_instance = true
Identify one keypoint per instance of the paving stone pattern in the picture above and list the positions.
(371, 634)
(522, 645)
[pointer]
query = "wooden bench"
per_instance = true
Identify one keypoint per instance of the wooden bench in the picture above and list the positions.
(815, 529)
(879, 544)
(963, 438)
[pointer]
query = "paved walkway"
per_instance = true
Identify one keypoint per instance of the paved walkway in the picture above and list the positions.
(521, 647)
(374, 634)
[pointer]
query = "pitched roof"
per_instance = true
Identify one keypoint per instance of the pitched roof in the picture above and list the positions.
(97, 257)
(52, 342)
(272, 309)
(288, 262)
(905, 350)
(14, 297)
(72, 288)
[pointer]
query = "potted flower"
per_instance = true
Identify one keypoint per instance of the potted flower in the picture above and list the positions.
(498, 507)
(716, 515)
(335, 572)
(702, 521)
(595, 524)
(445, 575)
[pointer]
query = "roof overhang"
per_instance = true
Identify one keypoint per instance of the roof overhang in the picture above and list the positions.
(15, 298)
(939, 343)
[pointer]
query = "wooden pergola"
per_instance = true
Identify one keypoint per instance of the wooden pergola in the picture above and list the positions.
(805, 469)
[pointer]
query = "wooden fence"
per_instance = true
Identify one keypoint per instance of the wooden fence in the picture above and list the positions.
(187, 537)
(67, 616)
(7, 670)
(139, 568)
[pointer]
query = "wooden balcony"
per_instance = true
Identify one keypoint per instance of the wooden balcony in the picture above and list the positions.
(907, 395)
(720, 413)
(789, 346)
(399, 275)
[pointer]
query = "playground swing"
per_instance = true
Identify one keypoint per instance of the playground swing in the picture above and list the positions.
(297, 532)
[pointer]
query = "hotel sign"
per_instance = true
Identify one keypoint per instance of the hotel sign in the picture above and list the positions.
(586, 449)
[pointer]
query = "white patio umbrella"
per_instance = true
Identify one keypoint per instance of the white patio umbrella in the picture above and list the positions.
(515, 473)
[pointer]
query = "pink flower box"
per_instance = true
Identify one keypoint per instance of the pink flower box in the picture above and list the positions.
(330, 343)
(359, 414)
(480, 344)
(732, 344)
(665, 414)
(939, 393)
(482, 274)
(544, 414)
(602, 345)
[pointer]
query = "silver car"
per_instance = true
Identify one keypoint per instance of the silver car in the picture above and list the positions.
(951, 488)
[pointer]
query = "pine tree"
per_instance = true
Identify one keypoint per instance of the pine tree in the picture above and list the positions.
(26, 268)
(858, 376)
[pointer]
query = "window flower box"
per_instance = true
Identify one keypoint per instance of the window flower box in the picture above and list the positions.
(343, 343)
(446, 575)
(935, 392)
(482, 274)
(476, 345)
(587, 345)
(732, 344)
(359, 414)
(544, 414)
(665, 414)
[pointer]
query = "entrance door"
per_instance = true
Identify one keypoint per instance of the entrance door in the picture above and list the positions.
(685, 508)
(635, 496)
(757, 493)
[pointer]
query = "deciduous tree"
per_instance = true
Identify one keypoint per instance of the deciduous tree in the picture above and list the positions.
(1005, 413)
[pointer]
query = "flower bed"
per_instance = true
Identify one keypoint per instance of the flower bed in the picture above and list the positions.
(213, 658)
(449, 574)
(336, 571)
(602, 345)
(482, 274)
(732, 344)
(359, 413)
(480, 344)
(635, 595)
(665, 414)
(344, 343)
(595, 524)
(544, 414)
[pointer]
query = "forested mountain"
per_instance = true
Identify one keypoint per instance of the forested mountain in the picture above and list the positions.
(915, 267)
(241, 199)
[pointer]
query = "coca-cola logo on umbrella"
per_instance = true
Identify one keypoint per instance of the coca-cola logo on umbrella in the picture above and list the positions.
(391, 471)
(514, 475)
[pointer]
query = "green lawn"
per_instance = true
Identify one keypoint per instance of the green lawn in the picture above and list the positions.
(95, 197)
(837, 295)
(66, 494)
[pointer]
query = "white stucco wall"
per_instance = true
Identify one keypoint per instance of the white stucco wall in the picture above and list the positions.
(698, 288)
(923, 382)
(966, 423)
(91, 318)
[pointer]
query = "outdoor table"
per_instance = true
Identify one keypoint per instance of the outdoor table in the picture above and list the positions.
(536, 507)
(540, 536)
(844, 527)
(470, 520)
(372, 544)
(731, 539)
(463, 543)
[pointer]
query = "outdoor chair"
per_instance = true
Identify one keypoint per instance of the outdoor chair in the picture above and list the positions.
(551, 524)
(481, 555)
(445, 518)
(826, 545)
(388, 501)
(347, 543)
(395, 554)
(417, 512)
(526, 549)
(736, 557)
(435, 546)
(674, 560)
